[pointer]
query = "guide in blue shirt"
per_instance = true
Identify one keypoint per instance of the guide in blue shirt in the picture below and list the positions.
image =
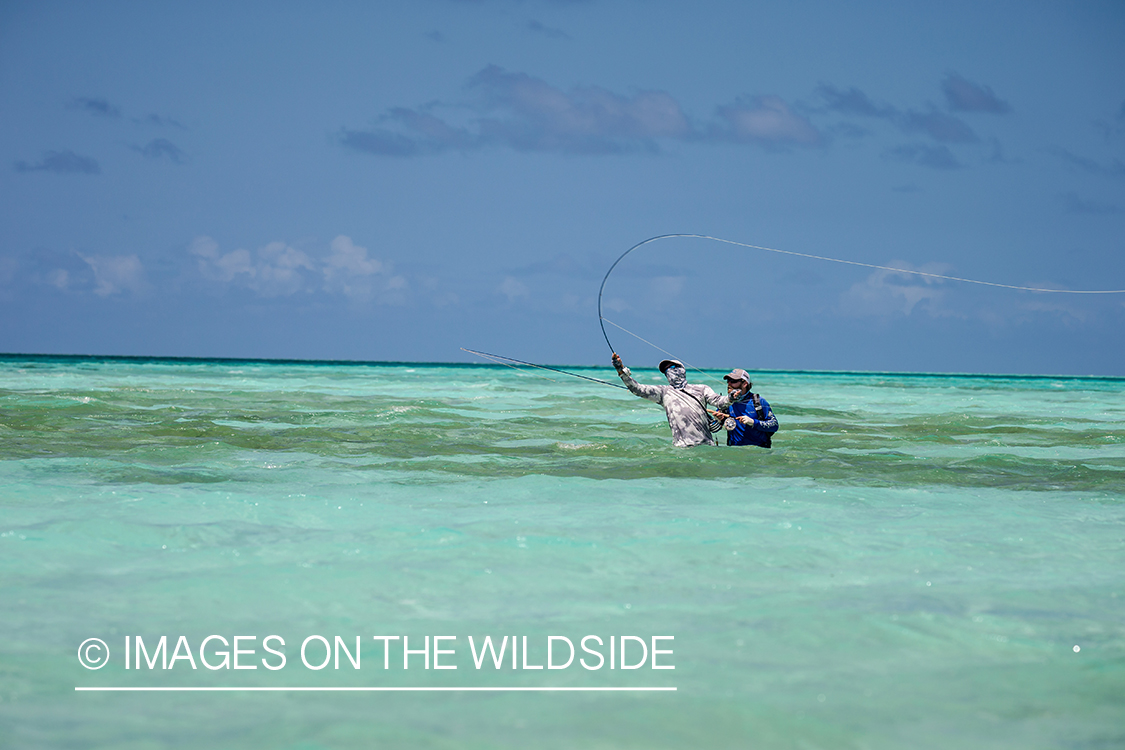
(749, 419)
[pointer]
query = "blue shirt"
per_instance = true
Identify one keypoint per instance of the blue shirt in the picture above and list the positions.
(758, 433)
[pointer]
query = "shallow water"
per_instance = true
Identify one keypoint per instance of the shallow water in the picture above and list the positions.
(912, 565)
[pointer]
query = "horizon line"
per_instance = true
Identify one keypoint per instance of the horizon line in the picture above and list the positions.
(368, 363)
(373, 689)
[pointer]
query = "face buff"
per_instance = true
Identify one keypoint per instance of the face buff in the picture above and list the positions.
(677, 377)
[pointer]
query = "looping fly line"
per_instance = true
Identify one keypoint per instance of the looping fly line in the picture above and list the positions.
(602, 321)
(687, 364)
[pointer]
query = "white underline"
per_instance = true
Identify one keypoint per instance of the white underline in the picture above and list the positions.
(374, 689)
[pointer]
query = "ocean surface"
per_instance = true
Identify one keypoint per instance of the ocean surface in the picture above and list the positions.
(920, 562)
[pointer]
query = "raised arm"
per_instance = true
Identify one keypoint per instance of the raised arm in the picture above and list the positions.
(651, 392)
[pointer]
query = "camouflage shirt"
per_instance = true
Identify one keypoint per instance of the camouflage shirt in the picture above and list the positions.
(684, 405)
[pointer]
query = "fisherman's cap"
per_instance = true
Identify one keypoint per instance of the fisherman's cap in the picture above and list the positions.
(738, 374)
(665, 364)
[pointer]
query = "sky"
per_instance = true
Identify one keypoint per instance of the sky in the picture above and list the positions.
(395, 181)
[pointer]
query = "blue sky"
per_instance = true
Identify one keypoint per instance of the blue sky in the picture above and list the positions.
(386, 181)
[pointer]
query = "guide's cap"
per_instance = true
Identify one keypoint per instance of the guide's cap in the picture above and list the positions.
(738, 374)
(665, 364)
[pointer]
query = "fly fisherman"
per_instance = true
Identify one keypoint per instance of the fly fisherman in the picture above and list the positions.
(749, 419)
(686, 405)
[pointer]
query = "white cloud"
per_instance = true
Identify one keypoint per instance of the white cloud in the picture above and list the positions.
(768, 120)
(1067, 313)
(887, 293)
(204, 246)
(513, 288)
(59, 278)
(667, 286)
(616, 304)
(349, 258)
(234, 263)
(275, 272)
(218, 267)
(113, 274)
(525, 113)
(347, 270)
(278, 269)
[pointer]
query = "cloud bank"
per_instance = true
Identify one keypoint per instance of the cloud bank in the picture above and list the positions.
(1115, 167)
(97, 106)
(61, 162)
(767, 121)
(941, 128)
(114, 274)
(938, 125)
(517, 111)
(162, 148)
(965, 96)
(889, 294)
(280, 270)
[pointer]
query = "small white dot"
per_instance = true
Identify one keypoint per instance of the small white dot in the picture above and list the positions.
(164, 546)
(628, 606)
(927, 583)
(1076, 649)
(821, 698)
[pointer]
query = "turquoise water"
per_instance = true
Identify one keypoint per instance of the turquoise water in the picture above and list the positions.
(912, 566)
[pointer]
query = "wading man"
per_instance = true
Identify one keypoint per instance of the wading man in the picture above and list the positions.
(684, 403)
(749, 419)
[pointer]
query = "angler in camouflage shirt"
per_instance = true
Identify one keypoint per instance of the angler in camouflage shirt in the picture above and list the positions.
(684, 403)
